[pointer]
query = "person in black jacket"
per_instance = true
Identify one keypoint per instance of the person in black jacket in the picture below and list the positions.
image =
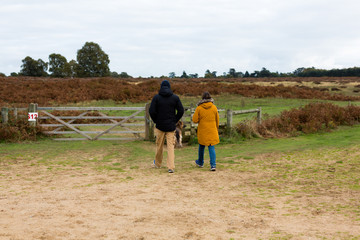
(165, 110)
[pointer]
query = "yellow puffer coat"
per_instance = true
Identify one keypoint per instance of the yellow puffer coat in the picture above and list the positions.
(207, 116)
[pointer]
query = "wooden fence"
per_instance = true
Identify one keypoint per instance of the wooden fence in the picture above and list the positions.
(134, 122)
(15, 112)
(226, 120)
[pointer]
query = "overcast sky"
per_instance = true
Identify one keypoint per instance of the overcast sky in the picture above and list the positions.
(155, 37)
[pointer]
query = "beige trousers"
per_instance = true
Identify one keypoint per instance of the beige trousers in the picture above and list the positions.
(170, 143)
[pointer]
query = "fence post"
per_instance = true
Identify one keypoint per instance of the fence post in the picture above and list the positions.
(147, 121)
(259, 115)
(15, 114)
(4, 115)
(149, 126)
(229, 120)
(192, 128)
(33, 108)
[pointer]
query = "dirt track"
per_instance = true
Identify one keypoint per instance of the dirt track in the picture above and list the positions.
(147, 203)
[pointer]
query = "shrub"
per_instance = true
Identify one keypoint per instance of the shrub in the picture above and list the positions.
(19, 130)
(311, 118)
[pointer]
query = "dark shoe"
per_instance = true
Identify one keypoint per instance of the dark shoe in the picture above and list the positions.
(213, 169)
(171, 171)
(197, 164)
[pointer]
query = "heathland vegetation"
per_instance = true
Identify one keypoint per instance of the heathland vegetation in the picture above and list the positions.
(320, 112)
(20, 91)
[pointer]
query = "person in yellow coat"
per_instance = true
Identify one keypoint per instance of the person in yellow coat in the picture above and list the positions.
(207, 117)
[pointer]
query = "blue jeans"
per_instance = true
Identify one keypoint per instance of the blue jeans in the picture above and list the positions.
(212, 154)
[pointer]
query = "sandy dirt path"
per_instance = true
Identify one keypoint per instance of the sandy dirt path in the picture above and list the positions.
(151, 204)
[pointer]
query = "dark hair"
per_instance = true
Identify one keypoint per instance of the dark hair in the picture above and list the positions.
(206, 95)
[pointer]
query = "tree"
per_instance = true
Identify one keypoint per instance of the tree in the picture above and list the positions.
(58, 66)
(255, 74)
(124, 75)
(232, 72)
(195, 75)
(172, 75)
(184, 75)
(264, 73)
(92, 61)
(72, 67)
(34, 68)
(114, 74)
(298, 71)
(209, 74)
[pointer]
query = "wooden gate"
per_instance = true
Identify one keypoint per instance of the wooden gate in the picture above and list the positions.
(132, 126)
(135, 126)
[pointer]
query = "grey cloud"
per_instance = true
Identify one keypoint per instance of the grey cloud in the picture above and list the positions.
(157, 37)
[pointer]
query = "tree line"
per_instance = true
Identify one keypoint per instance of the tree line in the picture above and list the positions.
(265, 73)
(92, 61)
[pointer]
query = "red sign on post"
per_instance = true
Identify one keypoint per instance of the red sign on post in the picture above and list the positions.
(32, 116)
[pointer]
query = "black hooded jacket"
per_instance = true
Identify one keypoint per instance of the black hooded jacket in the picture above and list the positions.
(166, 108)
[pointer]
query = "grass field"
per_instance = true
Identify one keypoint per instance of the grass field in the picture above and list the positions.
(305, 187)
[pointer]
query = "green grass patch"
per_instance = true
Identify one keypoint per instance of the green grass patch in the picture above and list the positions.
(141, 151)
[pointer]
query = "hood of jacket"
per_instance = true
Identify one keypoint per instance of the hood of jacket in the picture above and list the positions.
(206, 105)
(205, 101)
(165, 91)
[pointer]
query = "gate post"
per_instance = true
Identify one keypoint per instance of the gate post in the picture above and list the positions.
(149, 125)
(15, 114)
(229, 120)
(33, 108)
(4, 115)
(259, 115)
(192, 127)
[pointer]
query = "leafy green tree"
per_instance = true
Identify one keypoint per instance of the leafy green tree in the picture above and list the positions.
(195, 75)
(92, 61)
(264, 73)
(72, 67)
(58, 66)
(232, 72)
(298, 71)
(209, 74)
(34, 68)
(124, 75)
(184, 75)
(255, 74)
(121, 75)
(114, 74)
(172, 75)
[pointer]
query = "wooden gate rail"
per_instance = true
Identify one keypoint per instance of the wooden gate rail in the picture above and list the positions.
(45, 115)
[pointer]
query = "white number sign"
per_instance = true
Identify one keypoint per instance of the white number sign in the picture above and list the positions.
(32, 116)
